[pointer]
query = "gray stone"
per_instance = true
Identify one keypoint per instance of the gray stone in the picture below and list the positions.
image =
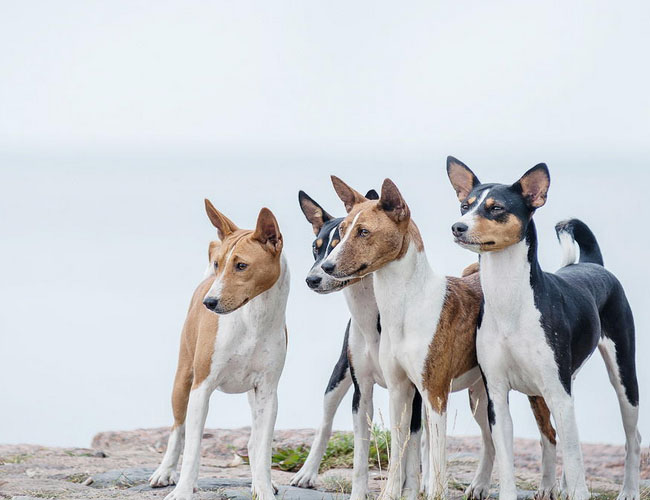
(137, 479)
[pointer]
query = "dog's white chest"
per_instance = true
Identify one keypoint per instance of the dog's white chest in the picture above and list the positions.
(511, 341)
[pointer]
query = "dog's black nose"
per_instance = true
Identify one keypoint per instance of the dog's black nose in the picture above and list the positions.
(211, 303)
(313, 281)
(328, 267)
(459, 228)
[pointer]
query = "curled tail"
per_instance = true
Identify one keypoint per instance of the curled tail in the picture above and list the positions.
(572, 231)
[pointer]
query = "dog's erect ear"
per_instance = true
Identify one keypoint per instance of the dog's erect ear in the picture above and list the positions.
(372, 195)
(223, 224)
(392, 203)
(267, 231)
(313, 212)
(534, 185)
(461, 177)
(348, 196)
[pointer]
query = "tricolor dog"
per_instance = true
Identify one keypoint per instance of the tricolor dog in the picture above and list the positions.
(537, 329)
(428, 335)
(358, 363)
(234, 340)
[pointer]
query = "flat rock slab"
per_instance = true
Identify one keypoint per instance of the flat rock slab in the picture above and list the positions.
(137, 479)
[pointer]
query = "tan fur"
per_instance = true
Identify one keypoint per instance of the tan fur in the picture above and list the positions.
(461, 178)
(201, 325)
(499, 234)
(534, 187)
(452, 351)
(543, 417)
(471, 269)
(196, 349)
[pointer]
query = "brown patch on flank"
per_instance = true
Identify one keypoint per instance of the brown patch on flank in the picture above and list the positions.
(196, 349)
(471, 269)
(543, 417)
(501, 234)
(452, 351)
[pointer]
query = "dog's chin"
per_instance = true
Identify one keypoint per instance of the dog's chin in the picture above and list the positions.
(223, 311)
(335, 287)
(475, 247)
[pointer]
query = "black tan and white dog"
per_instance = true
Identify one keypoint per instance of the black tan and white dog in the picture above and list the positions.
(239, 349)
(537, 329)
(358, 363)
(428, 335)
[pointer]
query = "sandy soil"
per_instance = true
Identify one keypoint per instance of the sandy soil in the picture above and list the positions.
(75, 473)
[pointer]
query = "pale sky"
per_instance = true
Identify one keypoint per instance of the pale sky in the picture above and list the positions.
(118, 118)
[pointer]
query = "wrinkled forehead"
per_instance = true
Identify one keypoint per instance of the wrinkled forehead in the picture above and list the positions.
(237, 241)
(365, 212)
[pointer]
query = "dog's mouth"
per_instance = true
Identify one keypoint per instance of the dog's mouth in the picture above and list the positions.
(470, 243)
(335, 288)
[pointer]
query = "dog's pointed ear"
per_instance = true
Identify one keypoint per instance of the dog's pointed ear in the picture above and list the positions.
(348, 196)
(372, 195)
(223, 224)
(534, 185)
(267, 231)
(461, 177)
(392, 202)
(313, 211)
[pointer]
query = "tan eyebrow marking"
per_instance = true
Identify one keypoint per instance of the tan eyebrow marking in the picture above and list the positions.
(489, 202)
(334, 243)
(319, 243)
(471, 200)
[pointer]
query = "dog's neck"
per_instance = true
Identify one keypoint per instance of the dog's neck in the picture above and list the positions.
(362, 304)
(509, 275)
(406, 284)
(267, 310)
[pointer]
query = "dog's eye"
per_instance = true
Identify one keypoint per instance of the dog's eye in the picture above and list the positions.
(496, 208)
(363, 232)
(241, 266)
(464, 207)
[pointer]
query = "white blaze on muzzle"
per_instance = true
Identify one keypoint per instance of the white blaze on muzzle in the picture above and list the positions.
(334, 254)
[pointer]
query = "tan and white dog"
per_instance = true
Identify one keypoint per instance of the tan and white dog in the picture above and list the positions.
(239, 349)
(428, 336)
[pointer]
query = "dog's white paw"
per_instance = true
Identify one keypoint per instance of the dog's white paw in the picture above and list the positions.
(628, 495)
(305, 478)
(261, 492)
(477, 491)
(360, 494)
(164, 476)
(180, 494)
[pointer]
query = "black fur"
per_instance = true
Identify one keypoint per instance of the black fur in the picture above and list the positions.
(342, 365)
(579, 304)
(416, 415)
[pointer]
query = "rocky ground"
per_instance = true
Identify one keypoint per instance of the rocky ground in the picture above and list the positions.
(118, 463)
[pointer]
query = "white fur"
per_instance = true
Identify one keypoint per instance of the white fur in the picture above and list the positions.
(524, 362)
(569, 249)
(410, 298)
(249, 354)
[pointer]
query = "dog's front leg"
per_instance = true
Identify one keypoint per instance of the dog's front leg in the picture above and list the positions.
(400, 398)
(197, 411)
(362, 412)
(479, 488)
(264, 409)
(502, 438)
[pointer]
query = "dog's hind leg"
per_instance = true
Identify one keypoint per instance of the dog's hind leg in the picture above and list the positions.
(413, 454)
(479, 488)
(547, 487)
(166, 474)
(338, 386)
(619, 359)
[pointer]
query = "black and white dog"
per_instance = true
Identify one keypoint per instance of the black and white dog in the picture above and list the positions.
(358, 364)
(537, 329)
